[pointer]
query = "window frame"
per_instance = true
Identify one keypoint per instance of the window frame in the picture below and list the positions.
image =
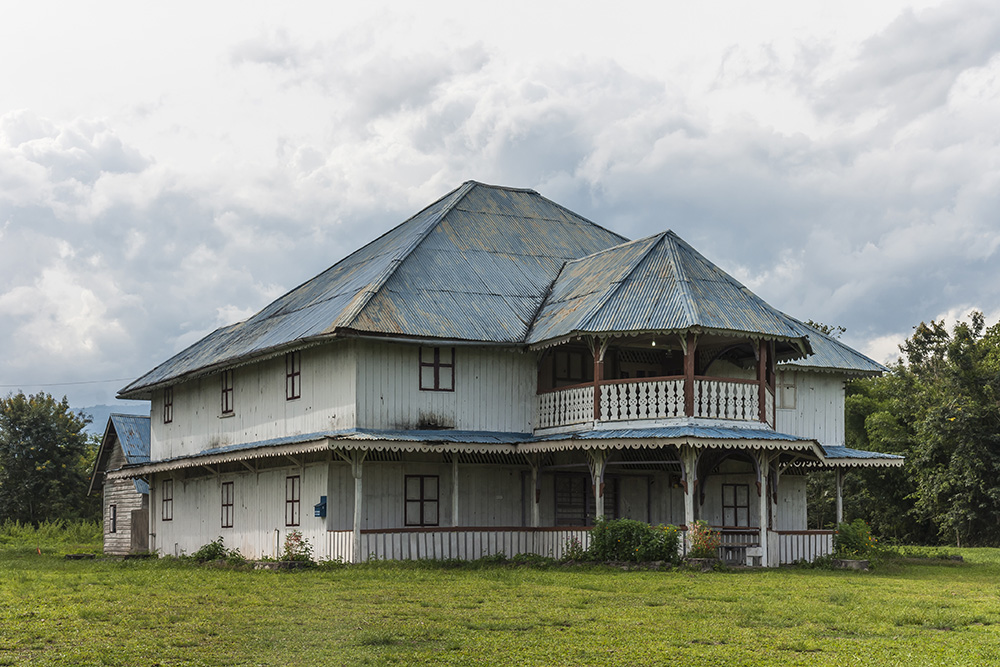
(422, 501)
(228, 496)
(787, 387)
(439, 368)
(293, 500)
(167, 500)
(227, 392)
(293, 375)
(113, 518)
(168, 405)
(736, 507)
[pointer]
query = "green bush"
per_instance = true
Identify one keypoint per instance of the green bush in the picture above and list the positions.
(297, 548)
(704, 541)
(633, 541)
(854, 541)
(217, 550)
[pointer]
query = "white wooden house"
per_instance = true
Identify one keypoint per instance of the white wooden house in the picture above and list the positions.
(489, 376)
(125, 501)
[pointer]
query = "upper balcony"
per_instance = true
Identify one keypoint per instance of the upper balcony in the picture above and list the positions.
(656, 378)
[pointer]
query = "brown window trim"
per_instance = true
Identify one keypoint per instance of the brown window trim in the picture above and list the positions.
(442, 369)
(168, 405)
(227, 392)
(167, 500)
(736, 507)
(293, 375)
(420, 504)
(293, 500)
(227, 504)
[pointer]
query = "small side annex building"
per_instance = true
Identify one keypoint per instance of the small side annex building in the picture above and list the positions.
(125, 500)
(491, 375)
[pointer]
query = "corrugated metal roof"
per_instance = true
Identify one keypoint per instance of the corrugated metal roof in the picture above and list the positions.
(830, 354)
(678, 431)
(840, 452)
(133, 435)
(502, 265)
(475, 266)
(659, 283)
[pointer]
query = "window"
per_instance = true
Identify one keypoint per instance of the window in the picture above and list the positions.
(167, 499)
(293, 490)
(571, 367)
(227, 504)
(421, 500)
(735, 504)
(112, 518)
(575, 505)
(437, 369)
(168, 405)
(227, 392)
(293, 376)
(786, 390)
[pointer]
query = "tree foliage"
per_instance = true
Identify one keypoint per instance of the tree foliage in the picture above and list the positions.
(45, 460)
(939, 407)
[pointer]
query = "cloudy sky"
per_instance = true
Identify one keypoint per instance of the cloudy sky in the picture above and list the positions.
(168, 169)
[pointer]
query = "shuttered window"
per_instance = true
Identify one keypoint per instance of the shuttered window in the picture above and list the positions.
(293, 375)
(113, 518)
(167, 500)
(227, 504)
(293, 500)
(422, 500)
(437, 368)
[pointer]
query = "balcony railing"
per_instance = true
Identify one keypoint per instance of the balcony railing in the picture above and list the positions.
(654, 398)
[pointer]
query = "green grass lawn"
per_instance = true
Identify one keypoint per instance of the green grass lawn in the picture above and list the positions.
(54, 611)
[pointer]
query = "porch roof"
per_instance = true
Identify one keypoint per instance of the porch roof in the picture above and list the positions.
(512, 443)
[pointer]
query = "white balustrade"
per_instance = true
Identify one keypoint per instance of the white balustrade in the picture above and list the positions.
(718, 399)
(627, 401)
(566, 406)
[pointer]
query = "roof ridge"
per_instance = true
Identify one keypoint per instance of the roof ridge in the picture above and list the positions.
(610, 293)
(459, 194)
(683, 281)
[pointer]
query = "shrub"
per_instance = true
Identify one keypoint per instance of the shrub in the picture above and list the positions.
(704, 541)
(216, 550)
(853, 540)
(297, 548)
(634, 541)
(574, 550)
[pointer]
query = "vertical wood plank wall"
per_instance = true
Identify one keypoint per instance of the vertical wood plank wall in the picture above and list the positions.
(261, 410)
(494, 390)
(819, 408)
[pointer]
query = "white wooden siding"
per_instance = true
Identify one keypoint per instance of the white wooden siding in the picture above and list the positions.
(819, 407)
(258, 514)
(494, 390)
(261, 409)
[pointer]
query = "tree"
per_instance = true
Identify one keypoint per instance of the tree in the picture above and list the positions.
(45, 459)
(939, 407)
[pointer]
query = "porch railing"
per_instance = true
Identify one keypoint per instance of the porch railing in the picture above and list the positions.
(803, 545)
(459, 543)
(654, 398)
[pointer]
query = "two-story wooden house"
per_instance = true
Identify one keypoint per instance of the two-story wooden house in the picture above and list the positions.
(490, 376)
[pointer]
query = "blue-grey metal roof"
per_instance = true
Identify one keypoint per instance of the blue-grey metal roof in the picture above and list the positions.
(678, 431)
(475, 266)
(656, 284)
(840, 452)
(133, 436)
(831, 354)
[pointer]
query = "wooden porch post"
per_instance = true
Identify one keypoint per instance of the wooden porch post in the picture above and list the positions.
(356, 458)
(688, 457)
(536, 490)
(598, 348)
(764, 465)
(762, 361)
(840, 496)
(454, 489)
(690, 349)
(597, 459)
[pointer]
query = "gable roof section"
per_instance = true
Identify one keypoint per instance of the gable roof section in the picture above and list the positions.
(829, 354)
(656, 284)
(474, 265)
(131, 433)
